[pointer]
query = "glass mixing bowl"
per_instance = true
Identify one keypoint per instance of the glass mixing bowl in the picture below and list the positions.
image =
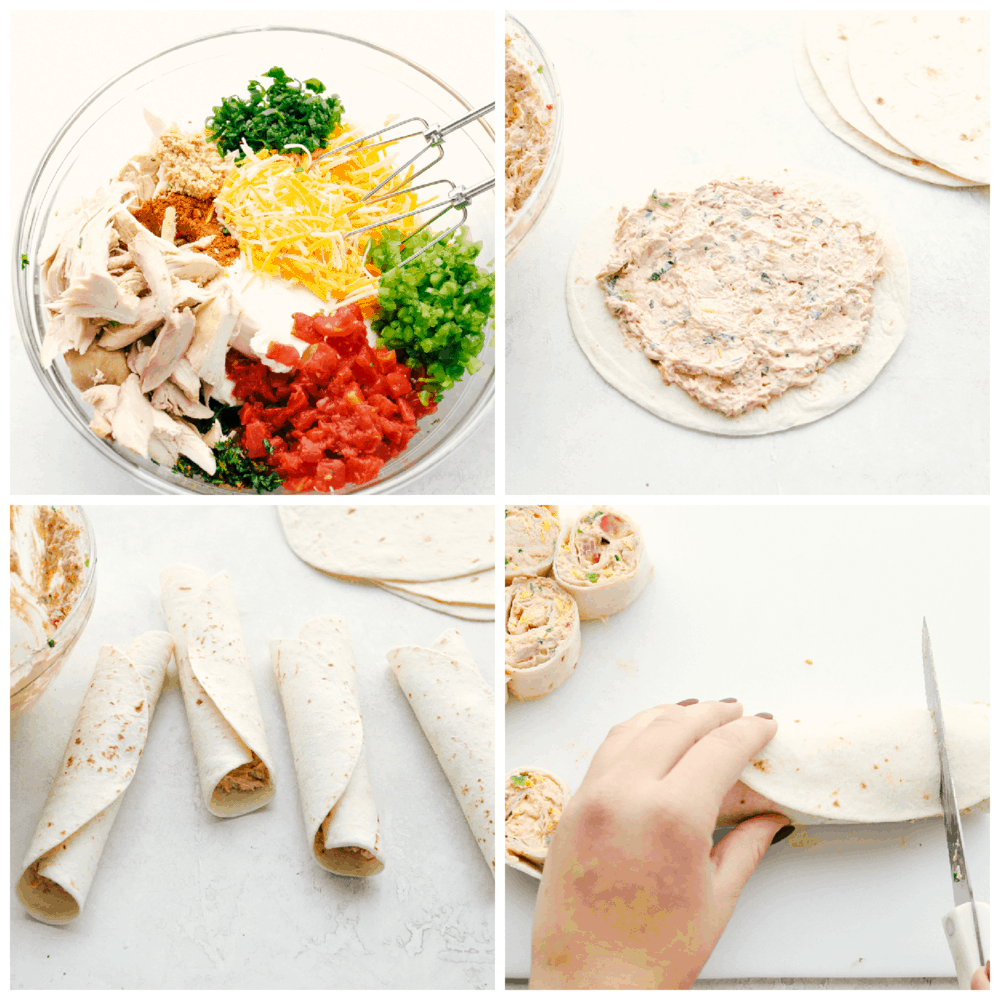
(525, 47)
(182, 84)
(36, 673)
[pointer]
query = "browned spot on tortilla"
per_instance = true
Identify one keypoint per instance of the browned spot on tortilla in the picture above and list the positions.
(763, 766)
(863, 785)
(138, 707)
(879, 100)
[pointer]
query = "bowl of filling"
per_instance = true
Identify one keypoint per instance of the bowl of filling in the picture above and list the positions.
(53, 574)
(231, 279)
(533, 134)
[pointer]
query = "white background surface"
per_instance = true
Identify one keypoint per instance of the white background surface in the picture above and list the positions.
(646, 92)
(724, 617)
(185, 900)
(82, 50)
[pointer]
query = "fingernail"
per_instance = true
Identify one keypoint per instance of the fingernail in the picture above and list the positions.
(687, 702)
(765, 715)
(785, 831)
(987, 969)
(727, 700)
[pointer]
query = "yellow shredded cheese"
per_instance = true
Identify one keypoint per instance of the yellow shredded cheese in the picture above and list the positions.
(294, 221)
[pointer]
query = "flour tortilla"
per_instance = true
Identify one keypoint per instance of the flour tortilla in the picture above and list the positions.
(628, 370)
(319, 691)
(220, 699)
(819, 101)
(925, 78)
(608, 595)
(520, 856)
(528, 683)
(470, 612)
(530, 535)
(868, 767)
(476, 590)
(406, 544)
(454, 707)
(104, 748)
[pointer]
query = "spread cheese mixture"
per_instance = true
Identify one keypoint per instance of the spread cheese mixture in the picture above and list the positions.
(739, 292)
(540, 619)
(527, 132)
(601, 545)
(533, 805)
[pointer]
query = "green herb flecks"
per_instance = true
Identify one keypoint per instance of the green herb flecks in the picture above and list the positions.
(433, 310)
(234, 469)
(52, 643)
(520, 780)
(592, 577)
(284, 112)
(24, 261)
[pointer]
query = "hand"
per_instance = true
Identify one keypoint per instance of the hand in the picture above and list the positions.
(634, 895)
(981, 978)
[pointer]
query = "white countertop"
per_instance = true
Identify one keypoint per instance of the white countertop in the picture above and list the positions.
(724, 616)
(48, 456)
(671, 90)
(184, 900)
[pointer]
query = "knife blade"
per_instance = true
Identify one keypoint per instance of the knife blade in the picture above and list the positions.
(962, 925)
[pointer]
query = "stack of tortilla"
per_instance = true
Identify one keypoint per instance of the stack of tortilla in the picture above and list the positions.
(439, 557)
(100, 761)
(910, 90)
(454, 706)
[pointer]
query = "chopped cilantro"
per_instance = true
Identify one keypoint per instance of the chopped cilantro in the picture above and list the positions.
(52, 642)
(24, 261)
(592, 577)
(520, 780)
(233, 468)
(273, 117)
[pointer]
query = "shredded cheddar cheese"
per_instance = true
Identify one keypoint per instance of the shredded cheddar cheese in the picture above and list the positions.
(294, 222)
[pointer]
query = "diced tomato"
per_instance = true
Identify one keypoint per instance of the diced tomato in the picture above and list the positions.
(385, 360)
(398, 383)
(284, 354)
(342, 412)
(360, 470)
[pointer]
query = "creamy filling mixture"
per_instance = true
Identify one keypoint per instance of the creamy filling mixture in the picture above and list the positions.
(533, 804)
(539, 621)
(599, 546)
(740, 291)
(527, 132)
(530, 535)
(46, 576)
(249, 777)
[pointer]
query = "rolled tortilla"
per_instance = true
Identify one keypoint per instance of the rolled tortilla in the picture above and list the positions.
(534, 801)
(104, 748)
(866, 767)
(530, 535)
(454, 707)
(602, 562)
(319, 692)
(542, 643)
(235, 769)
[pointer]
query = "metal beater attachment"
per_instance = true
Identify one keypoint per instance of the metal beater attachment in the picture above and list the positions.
(433, 140)
(457, 197)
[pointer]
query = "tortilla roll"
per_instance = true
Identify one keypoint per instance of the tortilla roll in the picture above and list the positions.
(542, 642)
(100, 761)
(602, 562)
(230, 745)
(534, 800)
(319, 692)
(530, 536)
(454, 707)
(870, 767)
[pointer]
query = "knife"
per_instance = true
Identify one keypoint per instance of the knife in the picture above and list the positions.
(967, 927)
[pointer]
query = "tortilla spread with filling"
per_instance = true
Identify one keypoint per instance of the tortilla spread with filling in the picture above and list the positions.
(739, 291)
